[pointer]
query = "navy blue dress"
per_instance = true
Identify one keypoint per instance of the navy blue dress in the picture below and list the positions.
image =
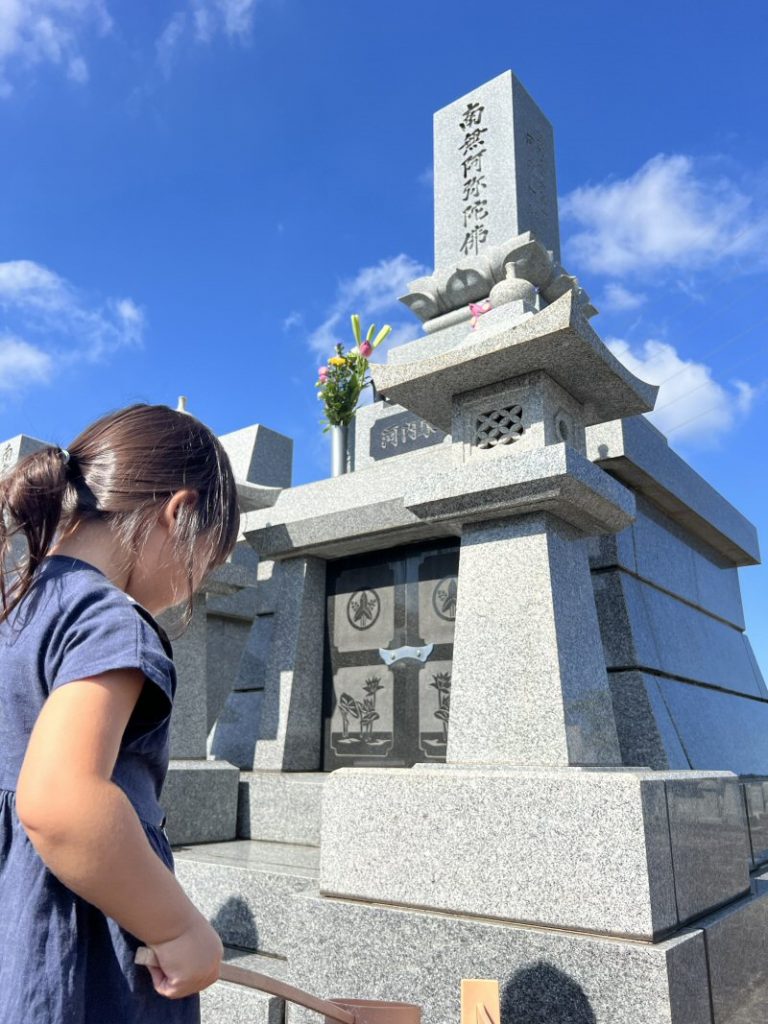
(62, 961)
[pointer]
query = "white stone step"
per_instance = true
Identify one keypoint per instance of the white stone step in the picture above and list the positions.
(245, 887)
(227, 1003)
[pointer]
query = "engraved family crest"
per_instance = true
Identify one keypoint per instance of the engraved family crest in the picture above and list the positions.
(363, 609)
(444, 598)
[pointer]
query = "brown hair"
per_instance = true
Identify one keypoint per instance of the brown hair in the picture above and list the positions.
(120, 470)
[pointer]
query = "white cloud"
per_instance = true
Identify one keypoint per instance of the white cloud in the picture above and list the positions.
(22, 364)
(373, 293)
(44, 318)
(691, 405)
(34, 32)
(293, 320)
(619, 299)
(670, 213)
(201, 21)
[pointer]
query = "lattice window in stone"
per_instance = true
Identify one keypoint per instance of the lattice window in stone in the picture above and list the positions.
(499, 426)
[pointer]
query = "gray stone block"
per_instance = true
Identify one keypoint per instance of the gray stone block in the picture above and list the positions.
(710, 843)
(244, 889)
(354, 512)
(200, 800)
(638, 454)
(515, 159)
(252, 668)
(281, 807)
(738, 967)
(225, 1003)
(645, 628)
(555, 479)
(236, 732)
(528, 687)
(719, 731)
(756, 796)
(558, 340)
(647, 734)
(229, 1003)
(363, 423)
(189, 721)
(577, 849)
(364, 951)
(260, 455)
(662, 552)
(290, 731)
(226, 640)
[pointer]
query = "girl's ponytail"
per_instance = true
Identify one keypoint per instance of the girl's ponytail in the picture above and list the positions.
(31, 503)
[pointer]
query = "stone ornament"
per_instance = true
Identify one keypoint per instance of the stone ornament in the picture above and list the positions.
(520, 269)
(499, 426)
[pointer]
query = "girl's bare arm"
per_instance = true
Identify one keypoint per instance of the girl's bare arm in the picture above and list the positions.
(82, 824)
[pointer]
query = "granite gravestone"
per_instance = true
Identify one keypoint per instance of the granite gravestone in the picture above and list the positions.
(494, 172)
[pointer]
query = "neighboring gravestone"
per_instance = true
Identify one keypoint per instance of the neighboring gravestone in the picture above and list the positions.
(494, 172)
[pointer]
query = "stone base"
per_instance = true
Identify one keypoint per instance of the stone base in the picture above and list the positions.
(616, 852)
(281, 807)
(200, 801)
(367, 951)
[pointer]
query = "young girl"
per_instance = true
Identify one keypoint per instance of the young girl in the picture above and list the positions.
(122, 525)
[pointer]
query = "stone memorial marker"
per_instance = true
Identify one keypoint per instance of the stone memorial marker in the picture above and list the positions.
(590, 632)
(494, 172)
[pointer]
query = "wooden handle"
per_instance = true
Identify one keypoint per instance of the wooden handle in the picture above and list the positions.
(228, 972)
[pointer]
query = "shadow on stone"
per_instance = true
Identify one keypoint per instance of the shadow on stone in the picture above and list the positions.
(236, 925)
(542, 994)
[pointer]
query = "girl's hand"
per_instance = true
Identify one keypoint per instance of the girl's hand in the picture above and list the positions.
(189, 963)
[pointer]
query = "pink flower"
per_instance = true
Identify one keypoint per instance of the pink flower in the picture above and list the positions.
(366, 349)
(322, 373)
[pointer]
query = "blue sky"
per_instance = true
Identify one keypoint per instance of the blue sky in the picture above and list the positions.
(195, 194)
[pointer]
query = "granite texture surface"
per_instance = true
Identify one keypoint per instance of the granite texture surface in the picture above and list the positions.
(225, 1003)
(356, 512)
(663, 553)
(710, 843)
(583, 849)
(200, 800)
(528, 687)
(228, 1003)
(189, 721)
(259, 455)
(252, 668)
(226, 639)
(290, 725)
(647, 735)
(719, 731)
(548, 415)
(279, 807)
(236, 732)
(638, 454)
(756, 797)
(558, 340)
(244, 889)
(555, 479)
(364, 421)
(516, 162)
(365, 951)
(643, 627)
(738, 966)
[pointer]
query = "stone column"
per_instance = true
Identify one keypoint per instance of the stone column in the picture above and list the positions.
(290, 728)
(529, 680)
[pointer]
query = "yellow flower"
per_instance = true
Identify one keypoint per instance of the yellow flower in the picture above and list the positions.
(337, 360)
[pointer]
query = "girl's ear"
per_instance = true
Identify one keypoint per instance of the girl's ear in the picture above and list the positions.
(170, 511)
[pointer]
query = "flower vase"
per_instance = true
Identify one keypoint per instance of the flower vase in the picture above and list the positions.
(339, 450)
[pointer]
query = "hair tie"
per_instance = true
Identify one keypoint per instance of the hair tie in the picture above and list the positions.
(64, 455)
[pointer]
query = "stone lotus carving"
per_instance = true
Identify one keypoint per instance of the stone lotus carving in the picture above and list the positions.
(437, 299)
